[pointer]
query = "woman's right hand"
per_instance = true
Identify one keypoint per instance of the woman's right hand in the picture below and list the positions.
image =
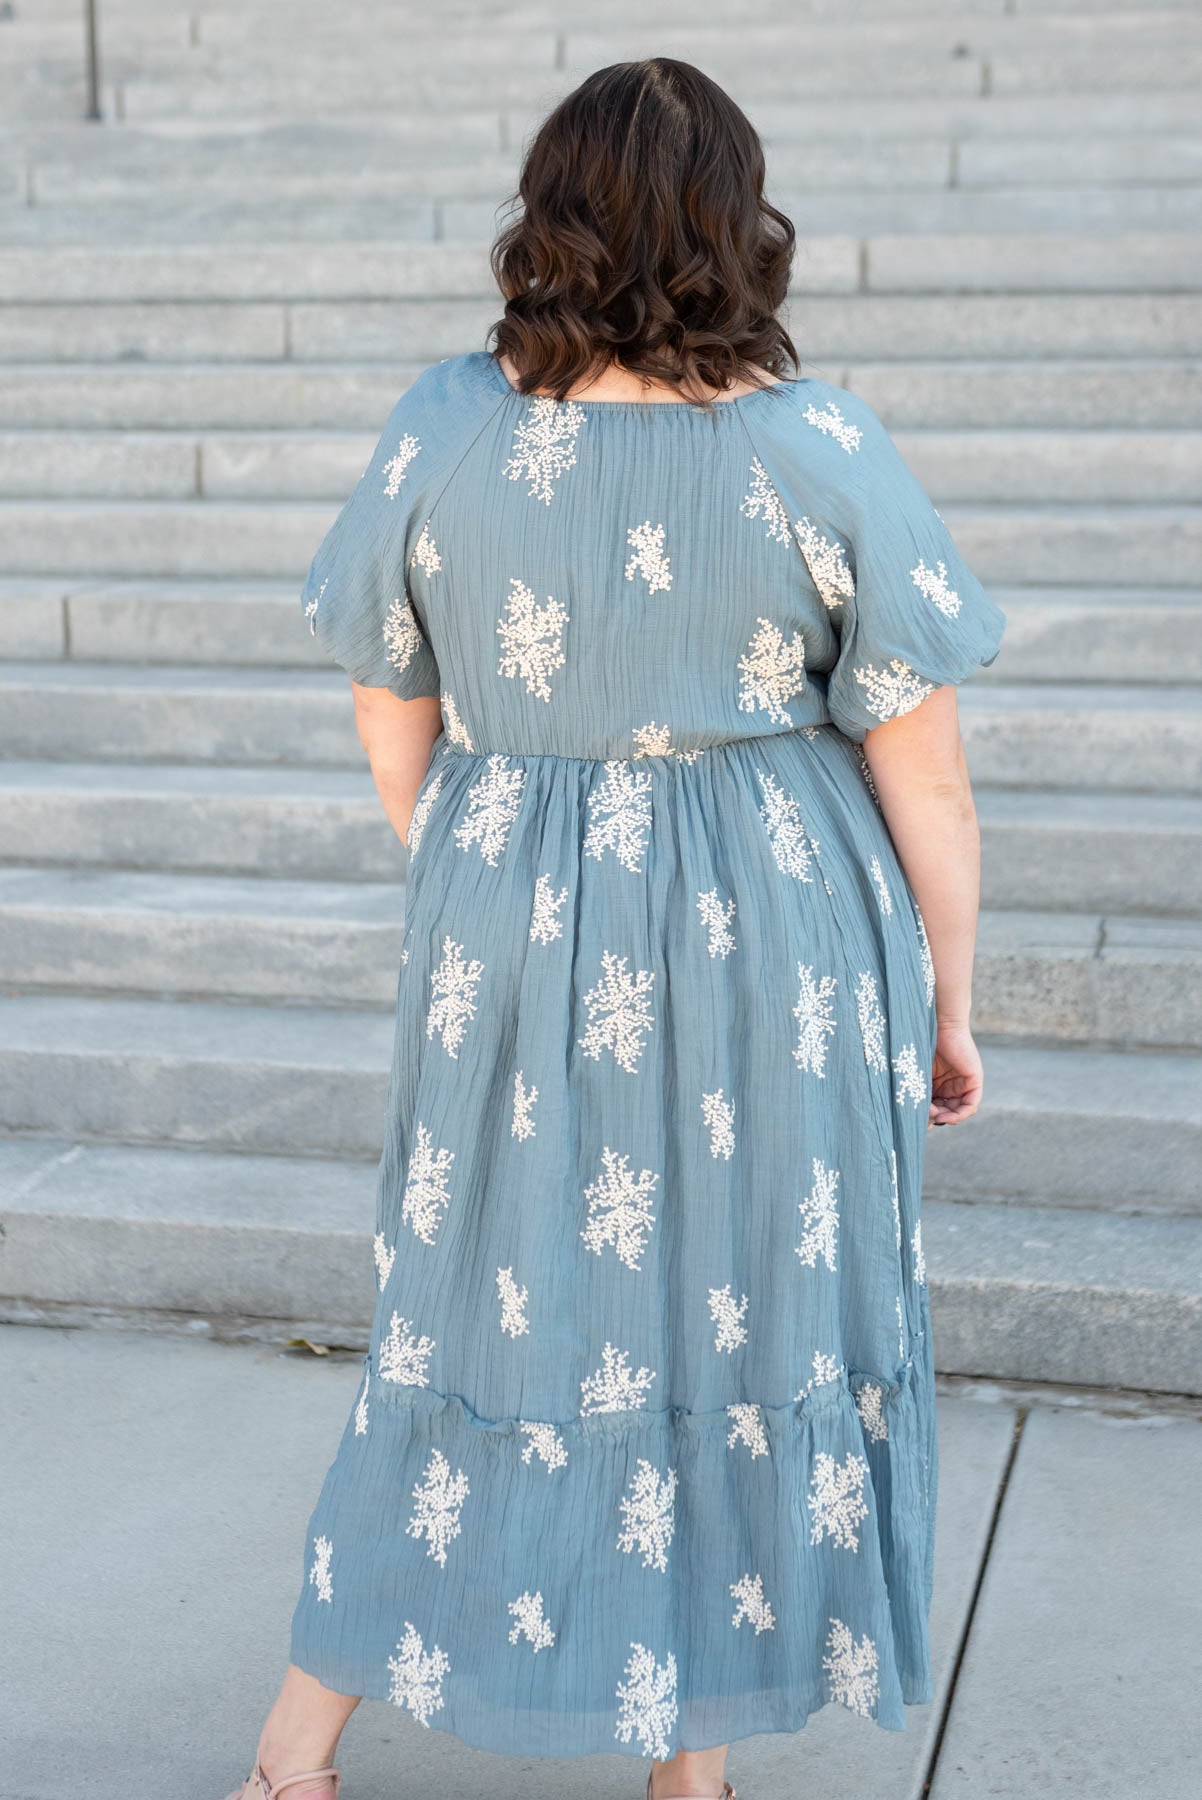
(957, 1077)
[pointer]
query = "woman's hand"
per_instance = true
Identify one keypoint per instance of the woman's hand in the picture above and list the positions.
(957, 1077)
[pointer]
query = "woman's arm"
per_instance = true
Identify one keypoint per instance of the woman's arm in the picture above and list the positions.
(398, 736)
(921, 778)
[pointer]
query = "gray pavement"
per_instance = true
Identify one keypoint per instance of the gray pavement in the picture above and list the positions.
(154, 1492)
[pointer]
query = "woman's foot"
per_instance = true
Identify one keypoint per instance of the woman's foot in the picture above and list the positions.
(698, 1774)
(301, 1732)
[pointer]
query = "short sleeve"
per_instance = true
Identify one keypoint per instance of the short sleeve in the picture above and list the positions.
(913, 617)
(356, 596)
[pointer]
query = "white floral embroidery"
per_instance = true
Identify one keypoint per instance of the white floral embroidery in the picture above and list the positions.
(439, 1496)
(619, 1209)
(425, 553)
(545, 927)
(717, 920)
(866, 773)
(523, 1105)
(620, 818)
(772, 672)
(826, 1368)
(649, 561)
(786, 832)
(531, 639)
(384, 1256)
(416, 1677)
(815, 1015)
(361, 1406)
(656, 740)
(872, 1022)
(402, 635)
(311, 608)
(615, 1386)
(619, 1013)
(920, 1261)
(820, 1218)
(532, 1623)
(852, 1668)
(719, 1116)
(872, 1417)
(761, 501)
(748, 1590)
(403, 1357)
(827, 563)
(456, 730)
(884, 897)
(545, 1443)
(831, 421)
(513, 1299)
(319, 1574)
(897, 1230)
(932, 584)
(649, 1516)
(928, 961)
(421, 813)
(747, 1427)
(493, 804)
(727, 1314)
(901, 1330)
(544, 445)
(427, 1186)
(836, 1499)
(647, 1702)
(910, 1082)
(453, 995)
(892, 692)
(397, 467)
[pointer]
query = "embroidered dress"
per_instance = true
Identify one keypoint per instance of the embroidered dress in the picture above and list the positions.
(644, 1457)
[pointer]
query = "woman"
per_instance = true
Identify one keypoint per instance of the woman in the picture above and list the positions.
(654, 653)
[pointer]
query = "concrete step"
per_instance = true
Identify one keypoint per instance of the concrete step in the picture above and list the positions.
(309, 824)
(289, 159)
(901, 262)
(1052, 634)
(897, 327)
(1136, 395)
(1051, 850)
(292, 1080)
(1073, 851)
(1065, 544)
(1065, 977)
(1054, 735)
(1027, 1293)
(1089, 979)
(1004, 466)
(218, 936)
(1109, 1130)
(1080, 735)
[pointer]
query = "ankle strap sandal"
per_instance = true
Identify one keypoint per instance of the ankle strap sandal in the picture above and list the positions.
(728, 1793)
(257, 1787)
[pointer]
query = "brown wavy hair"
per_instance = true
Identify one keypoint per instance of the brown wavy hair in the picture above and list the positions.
(642, 237)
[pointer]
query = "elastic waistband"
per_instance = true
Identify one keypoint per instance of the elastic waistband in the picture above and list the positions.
(683, 759)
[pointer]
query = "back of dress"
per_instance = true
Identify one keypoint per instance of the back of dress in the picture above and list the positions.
(626, 579)
(647, 1238)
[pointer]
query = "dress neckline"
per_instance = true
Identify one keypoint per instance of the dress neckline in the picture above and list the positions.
(692, 406)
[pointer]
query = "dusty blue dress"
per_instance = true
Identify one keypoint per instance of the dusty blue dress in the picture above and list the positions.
(644, 1456)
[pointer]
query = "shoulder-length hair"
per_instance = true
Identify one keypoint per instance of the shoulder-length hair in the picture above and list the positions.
(644, 239)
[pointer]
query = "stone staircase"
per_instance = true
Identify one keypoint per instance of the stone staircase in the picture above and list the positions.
(207, 306)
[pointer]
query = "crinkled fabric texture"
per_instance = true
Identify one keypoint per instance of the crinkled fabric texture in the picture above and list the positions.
(644, 1456)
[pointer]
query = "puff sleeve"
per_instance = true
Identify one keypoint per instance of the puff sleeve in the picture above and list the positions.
(913, 616)
(357, 598)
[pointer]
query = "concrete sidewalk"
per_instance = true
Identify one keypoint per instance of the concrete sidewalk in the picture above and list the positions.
(155, 1491)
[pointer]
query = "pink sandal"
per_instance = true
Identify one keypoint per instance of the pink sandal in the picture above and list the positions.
(257, 1787)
